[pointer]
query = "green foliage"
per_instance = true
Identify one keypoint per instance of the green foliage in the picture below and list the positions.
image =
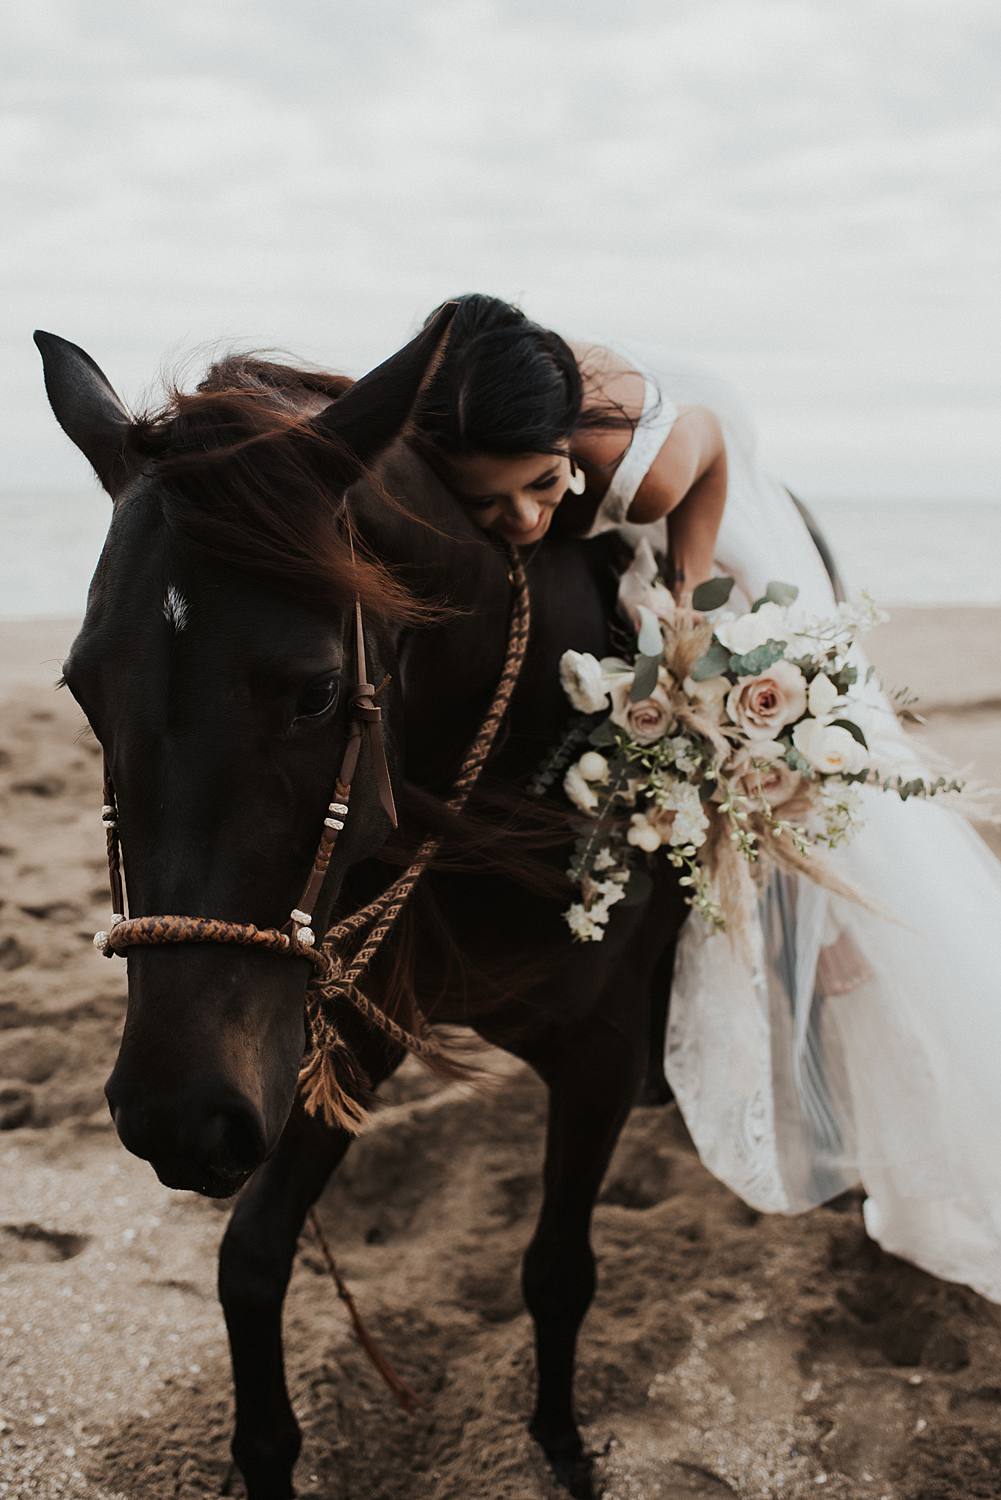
(715, 662)
(853, 730)
(845, 678)
(603, 734)
(795, 761)
(759, 660)
(712, 594)
(645, 678)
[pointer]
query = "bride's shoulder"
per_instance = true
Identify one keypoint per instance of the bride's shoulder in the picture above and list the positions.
(608, 379)
(597, 358)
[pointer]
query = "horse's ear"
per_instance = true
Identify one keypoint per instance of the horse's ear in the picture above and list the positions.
(87, 408)
(378, 408)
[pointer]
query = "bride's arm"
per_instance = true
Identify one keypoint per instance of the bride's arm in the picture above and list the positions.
(687, 481)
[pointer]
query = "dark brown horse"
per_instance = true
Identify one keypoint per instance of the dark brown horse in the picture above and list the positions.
(210, 666)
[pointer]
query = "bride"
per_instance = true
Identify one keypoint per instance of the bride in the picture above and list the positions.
(858, 1043)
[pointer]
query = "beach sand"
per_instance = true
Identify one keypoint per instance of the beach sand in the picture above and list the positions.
(727, 1353)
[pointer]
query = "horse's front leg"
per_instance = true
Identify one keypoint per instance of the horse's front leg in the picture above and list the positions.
(593, 1081)
(255, 1263)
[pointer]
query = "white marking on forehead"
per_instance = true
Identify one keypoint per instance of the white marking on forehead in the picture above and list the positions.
(175, 608)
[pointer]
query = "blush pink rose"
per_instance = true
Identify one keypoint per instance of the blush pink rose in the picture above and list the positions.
(648, 719)
(762, 706)
(777, 783)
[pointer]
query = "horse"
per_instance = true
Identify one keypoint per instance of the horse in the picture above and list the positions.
(253, 523)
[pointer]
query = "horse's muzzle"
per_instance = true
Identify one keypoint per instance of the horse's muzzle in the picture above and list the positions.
(208, 1141)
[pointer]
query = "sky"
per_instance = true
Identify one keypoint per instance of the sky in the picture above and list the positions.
(802, 195)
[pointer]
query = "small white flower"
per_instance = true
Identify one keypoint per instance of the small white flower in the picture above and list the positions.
(642, 834)
(583, 681)
(607, 892)
(683, 752)
(829, 748)
(580, 791)
(593, 766)
(582, 925)
(690, 824)
(822, 696)
(677, 819)
(603, 860)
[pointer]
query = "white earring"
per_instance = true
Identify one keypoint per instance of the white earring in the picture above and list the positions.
(577, 482)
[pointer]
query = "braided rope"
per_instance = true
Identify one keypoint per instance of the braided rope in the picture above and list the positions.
(386, 907)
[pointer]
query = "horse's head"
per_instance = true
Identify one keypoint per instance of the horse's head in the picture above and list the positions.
(215, 664)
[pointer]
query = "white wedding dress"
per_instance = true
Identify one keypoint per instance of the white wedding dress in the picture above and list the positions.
(856, 1047)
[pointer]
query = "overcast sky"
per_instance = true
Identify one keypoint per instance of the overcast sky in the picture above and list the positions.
(804, 195)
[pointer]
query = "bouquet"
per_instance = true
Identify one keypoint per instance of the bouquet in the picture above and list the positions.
(727, 744)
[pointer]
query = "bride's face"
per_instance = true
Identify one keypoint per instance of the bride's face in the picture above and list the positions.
(513, 496)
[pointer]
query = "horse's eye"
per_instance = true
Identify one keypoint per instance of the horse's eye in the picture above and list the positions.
(317, 699)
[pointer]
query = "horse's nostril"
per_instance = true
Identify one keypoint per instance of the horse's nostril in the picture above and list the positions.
(232, 1142)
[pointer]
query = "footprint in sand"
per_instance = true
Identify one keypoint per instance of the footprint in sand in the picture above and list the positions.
(16, 1104)
(13, 955)
(41, 786)
(53, 911)
(30, 1244)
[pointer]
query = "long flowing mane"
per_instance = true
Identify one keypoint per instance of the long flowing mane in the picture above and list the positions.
(251, 478)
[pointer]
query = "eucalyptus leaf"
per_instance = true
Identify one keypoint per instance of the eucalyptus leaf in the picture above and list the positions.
(649, 642)
(712, 594)
(645, 680)
(795, 761)
(853, 730)
(715, 662)
(602, 734)
(759, 660)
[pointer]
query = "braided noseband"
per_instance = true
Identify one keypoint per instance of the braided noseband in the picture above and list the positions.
(335, 975)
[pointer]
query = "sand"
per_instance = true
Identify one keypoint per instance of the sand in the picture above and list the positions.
(727, 1353)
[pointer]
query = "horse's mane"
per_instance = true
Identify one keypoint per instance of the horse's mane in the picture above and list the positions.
(248, 476)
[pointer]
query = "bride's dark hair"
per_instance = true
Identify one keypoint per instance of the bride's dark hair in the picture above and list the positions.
(506, 385)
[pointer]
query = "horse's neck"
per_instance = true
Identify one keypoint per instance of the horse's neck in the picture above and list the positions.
(449, 669)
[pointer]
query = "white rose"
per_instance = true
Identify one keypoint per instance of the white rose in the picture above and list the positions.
(592, 766)
(762, 706)
(579, 791)
(822, 696)
(583, 681)
(769, 623)
(829, 748)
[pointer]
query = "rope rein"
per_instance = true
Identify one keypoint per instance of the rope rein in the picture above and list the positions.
(335, 977)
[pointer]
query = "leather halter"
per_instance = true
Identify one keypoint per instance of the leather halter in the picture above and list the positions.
(334, 977)
(297, 934)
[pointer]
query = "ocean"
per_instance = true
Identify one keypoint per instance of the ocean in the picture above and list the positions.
(925, 552)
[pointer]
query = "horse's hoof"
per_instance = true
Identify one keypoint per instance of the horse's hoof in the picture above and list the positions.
(656, 1092)
(571, 1464)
